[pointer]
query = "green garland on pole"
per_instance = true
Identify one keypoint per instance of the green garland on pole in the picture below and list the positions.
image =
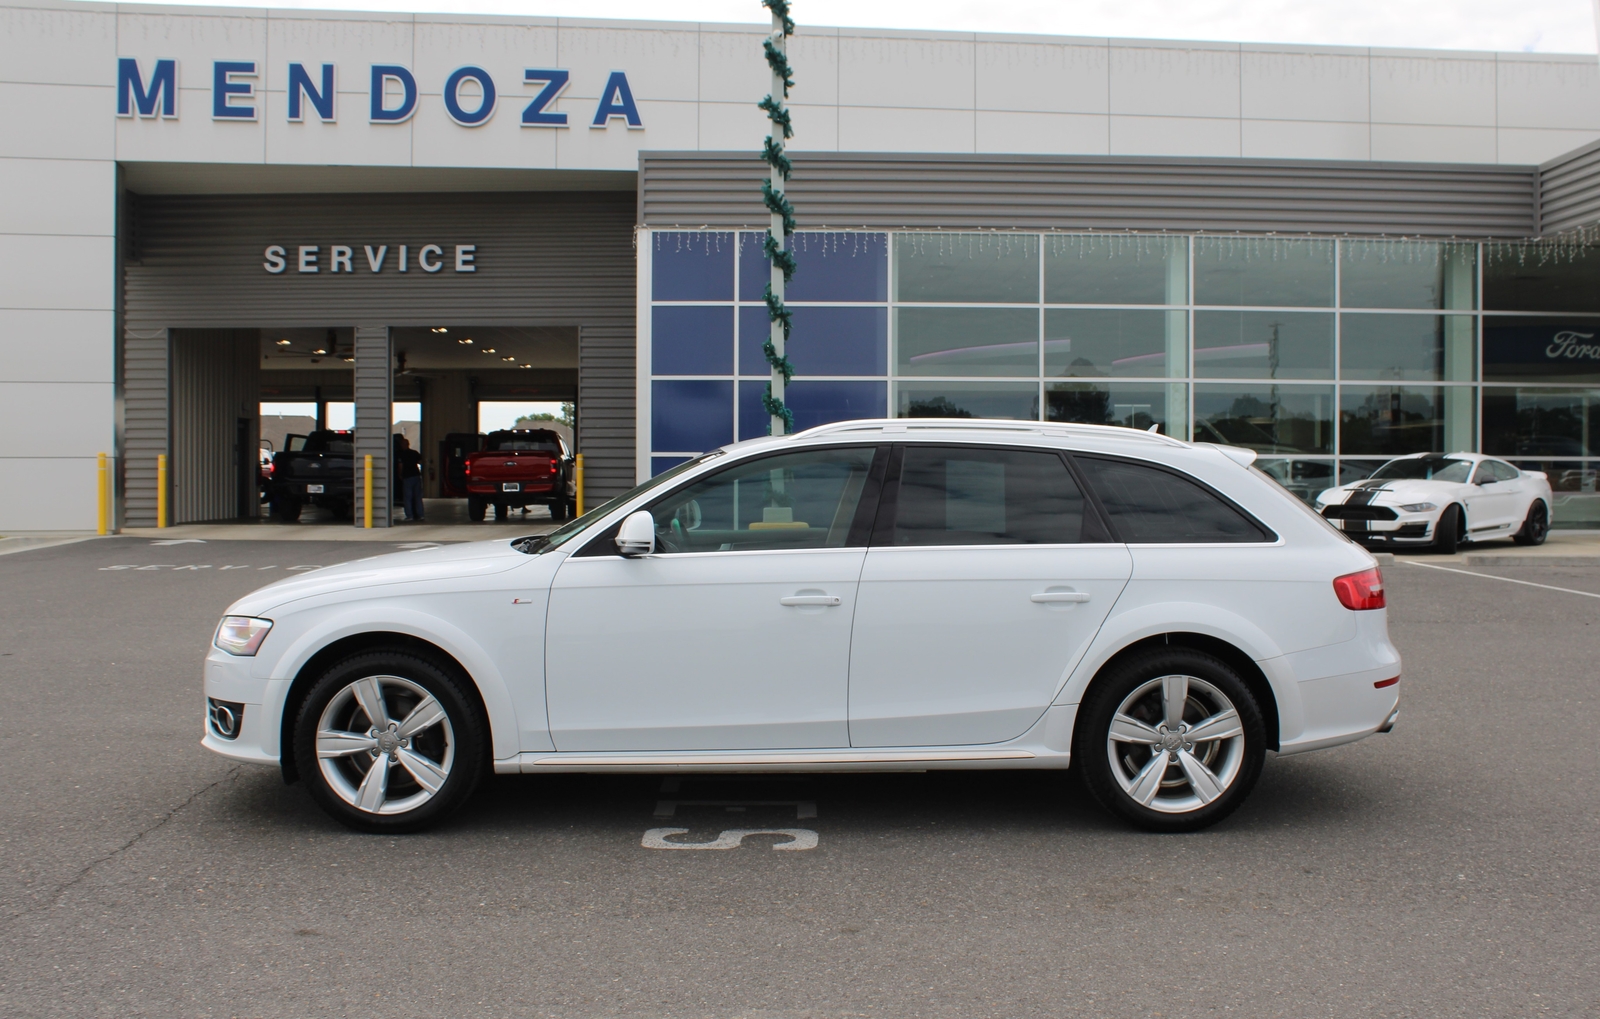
(782, 212)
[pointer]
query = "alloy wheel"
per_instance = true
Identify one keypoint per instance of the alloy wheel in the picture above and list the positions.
(385, 745)
(1176, 744)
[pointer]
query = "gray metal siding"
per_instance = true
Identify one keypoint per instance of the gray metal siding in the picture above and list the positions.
(214, 373)
(545, 258)
(886, 191)
(374, 380)
(1569, 191)
(146, 417)
(606, 410)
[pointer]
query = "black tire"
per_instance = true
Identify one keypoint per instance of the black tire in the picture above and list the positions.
(1535, 527)
(342, 510)
(475, 509)
(285, 509)
(460, 741)
(1448, 531)
(502, 512)
(1210, 686)
(559, 510)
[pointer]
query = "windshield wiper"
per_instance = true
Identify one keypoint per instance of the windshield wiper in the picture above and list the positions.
(533, 544)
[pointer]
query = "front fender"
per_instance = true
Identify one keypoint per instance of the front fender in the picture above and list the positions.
(393, 616)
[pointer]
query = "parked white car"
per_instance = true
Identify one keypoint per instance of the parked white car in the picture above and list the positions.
(865, 596)
(1443, 501)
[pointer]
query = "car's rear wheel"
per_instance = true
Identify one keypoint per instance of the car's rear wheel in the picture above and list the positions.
(1535, 527)
(1447, 533)
(559, 510)
(286, 509)
(475, 509)
(389, 742)
(1171, 740)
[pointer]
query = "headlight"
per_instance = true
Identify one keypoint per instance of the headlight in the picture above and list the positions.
(241, 635)
(1419, 507)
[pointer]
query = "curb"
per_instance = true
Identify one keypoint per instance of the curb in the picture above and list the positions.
(10, 545)
(1485, 559)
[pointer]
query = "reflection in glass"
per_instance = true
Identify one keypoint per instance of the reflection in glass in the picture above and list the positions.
(1096, 343)
(1535, 277)
(1115, 269)
(1263, 345)
(1407, 274)
(1396, 420)
(1272, 420)
(967, 341)
(1304, 479)
(1427, 348)
(1263, 272)
(1541, 422)
(1575, 484)
(1129, 405)
(985, 268)
(1541, 349)
(1357, 470)
(1009, 400)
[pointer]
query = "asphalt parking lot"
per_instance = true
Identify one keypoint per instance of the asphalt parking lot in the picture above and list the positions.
(1451, 868)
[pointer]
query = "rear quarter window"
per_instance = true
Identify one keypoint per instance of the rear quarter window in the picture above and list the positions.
(1153, 505)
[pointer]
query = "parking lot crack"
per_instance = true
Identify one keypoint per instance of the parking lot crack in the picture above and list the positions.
(139, 836)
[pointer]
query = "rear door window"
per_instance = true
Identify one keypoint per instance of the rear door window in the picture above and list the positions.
(1152, 505)
(978, 496)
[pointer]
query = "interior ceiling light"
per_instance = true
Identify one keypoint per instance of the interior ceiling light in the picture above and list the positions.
(508, 359)
(441, 329)
(524, 366)
(488, 350)
(350, 360)
(319, 350)
(468, 340)
(283, 343)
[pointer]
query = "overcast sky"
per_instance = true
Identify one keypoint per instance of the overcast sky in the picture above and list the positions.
(1547, 26)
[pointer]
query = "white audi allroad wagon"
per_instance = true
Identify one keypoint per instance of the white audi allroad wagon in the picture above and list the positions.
(897, 595)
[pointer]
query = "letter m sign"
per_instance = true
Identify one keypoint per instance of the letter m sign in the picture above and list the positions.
(132, 96)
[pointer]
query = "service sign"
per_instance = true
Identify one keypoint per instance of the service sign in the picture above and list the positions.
(470, 94)
(315, 259)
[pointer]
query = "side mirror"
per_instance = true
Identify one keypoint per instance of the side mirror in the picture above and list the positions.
(1487, 481)
(637, 535)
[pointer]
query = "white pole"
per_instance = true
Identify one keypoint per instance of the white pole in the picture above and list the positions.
(775, 133)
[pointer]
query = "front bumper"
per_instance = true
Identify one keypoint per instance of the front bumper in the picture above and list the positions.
(233, 679)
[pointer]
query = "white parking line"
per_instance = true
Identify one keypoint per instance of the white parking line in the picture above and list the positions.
(799, 838)
(1509, 580)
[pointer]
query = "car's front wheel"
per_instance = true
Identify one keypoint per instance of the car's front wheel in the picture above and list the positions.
(1449, 531)
(389, 742)
(1171, 740)
(1535, 526)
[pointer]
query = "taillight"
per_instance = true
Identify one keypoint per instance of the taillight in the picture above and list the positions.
(1359, 591)
(469, 467)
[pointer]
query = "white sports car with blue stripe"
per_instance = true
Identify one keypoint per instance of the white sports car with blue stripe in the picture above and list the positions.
(1442, 500)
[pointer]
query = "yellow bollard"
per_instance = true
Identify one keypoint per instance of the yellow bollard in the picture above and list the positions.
(103, 493)
(161, 490)
(577, 485)
(366, 492)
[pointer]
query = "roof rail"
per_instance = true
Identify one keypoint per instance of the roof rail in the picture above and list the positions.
(991, 425)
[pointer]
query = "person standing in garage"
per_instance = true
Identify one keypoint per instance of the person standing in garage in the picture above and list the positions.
(408, 477)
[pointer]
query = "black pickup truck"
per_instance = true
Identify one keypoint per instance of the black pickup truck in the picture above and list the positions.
(318, 469)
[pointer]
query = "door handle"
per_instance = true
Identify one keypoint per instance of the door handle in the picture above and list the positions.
(1061, 596)
(810, 599)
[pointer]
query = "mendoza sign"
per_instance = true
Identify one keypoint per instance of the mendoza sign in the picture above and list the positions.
(470, 94)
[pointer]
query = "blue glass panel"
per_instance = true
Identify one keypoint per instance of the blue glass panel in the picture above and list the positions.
(691, 266)
(691, 340)
(690, 416)
(814, 402)
(662, 464)
(824, 341)
(831, 267)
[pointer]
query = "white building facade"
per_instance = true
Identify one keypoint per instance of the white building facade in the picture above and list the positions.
(198, 200)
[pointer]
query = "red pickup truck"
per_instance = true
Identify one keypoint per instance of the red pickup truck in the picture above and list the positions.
(520, 467)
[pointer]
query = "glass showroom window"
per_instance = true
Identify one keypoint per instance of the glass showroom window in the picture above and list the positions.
(1541, 369)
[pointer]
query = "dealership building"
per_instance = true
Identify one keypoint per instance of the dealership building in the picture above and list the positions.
(1332, 255)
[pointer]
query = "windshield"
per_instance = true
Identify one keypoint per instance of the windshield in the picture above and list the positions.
(1425, 468)
(538, 543)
